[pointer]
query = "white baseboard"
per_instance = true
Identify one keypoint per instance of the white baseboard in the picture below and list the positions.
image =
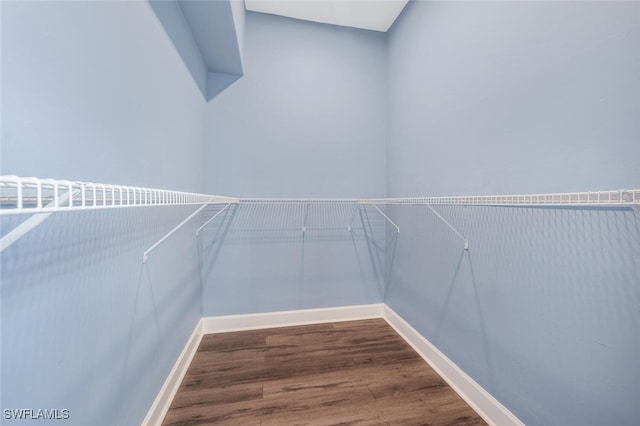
(490, 409)
(163, 401)
(290, 318)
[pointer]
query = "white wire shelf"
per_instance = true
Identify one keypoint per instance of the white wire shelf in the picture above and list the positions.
(42, 197)
(29, 195)
(618, 198)
(299, 200)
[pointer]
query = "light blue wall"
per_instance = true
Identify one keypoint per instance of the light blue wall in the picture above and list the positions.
(464, 98)
(209, 38)
(86, 326)
(83, 100)
(513, 97)
(96, 91)
(177, 28)
(257, 258)
(239, 13)
(214, 27)
(518, 97)
(308, 119)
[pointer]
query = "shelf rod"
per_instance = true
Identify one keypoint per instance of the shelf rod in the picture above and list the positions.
(213, 217)
(145, 256)
(466, 243)
(386, 217)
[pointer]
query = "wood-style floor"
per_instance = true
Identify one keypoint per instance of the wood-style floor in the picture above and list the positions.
(345, 373)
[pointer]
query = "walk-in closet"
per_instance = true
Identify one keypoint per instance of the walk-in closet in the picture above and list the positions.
(323, 212)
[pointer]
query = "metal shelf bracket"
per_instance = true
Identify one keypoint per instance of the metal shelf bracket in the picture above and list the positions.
(304, 220)
(386, 217)
(212, 218)
(148, 251)
(30, 223)
(464, 240)
(353, 216)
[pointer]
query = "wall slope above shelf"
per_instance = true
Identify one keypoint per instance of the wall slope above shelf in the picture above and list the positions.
(208, 37)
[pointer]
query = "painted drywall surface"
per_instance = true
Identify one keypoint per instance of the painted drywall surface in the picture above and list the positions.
(238, 11)
(96, 91)
(268, 258)
(306, 120)
(209, 38)
(542, 311)
(513, 98)
(214, 28)
(503, 97)
(176, 25)
(86, 326)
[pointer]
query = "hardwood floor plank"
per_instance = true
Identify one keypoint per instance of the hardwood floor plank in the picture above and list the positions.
(348, 373)
(218, 395)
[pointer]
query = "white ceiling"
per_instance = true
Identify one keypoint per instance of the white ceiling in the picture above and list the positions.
(376, 15)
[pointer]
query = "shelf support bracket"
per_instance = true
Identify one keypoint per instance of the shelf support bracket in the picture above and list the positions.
(212, 218)
(353, 216)
(386, 217)
(30, 223)
(464, 240)
(304, 220)
(145, 256)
